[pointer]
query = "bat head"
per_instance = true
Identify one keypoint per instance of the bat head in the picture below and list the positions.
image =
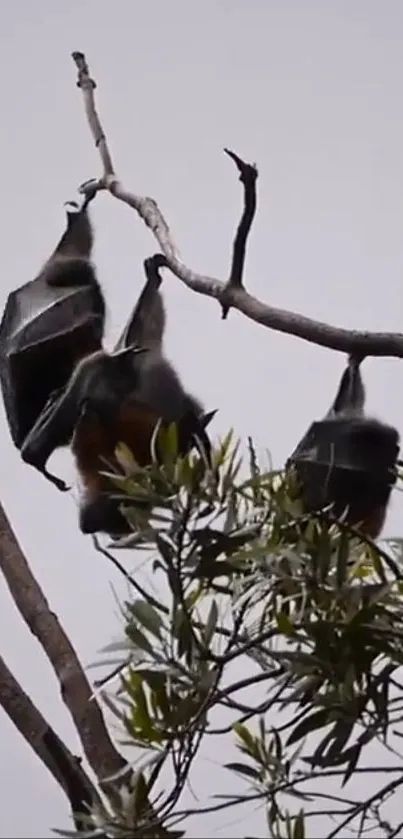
(103, 380)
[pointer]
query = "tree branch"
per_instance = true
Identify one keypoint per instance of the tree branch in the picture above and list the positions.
(229, 295)
(88, 86)
(248, 177)
(50, 749)
(75, 689)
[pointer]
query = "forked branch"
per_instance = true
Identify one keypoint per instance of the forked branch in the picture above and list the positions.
(75, 689)
(105, 760)
(231, 294)
(50, 749)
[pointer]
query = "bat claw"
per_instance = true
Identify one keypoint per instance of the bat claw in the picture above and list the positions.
(58, 482)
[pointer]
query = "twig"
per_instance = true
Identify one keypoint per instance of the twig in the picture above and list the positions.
(291, 323)
(146, 207)
(130, 579)
(75, 689)
(50, 749)
(363, 806)
(88, 86)
(248, 177)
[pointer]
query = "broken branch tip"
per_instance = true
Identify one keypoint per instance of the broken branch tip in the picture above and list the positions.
(248, 171)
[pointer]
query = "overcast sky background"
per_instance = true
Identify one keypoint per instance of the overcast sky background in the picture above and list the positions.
(311, 91)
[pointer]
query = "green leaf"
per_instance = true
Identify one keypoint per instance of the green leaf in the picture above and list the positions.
(284, 624)
(340, 735)
(113, 707)
(141, 718)
(243, 769)
(192, 597)
(182, 632)
(139, 640)
(72, 834)
(342, 559)
(211, 623)
(140, 795)
(277, 744)
(299, 826)
(355, 754)
(323, 552)
(316, 720)
(245, 735)
(157, 761)
(377, 563)
(157, 683)
(221, 453)
(114, 647)
(125, 457)
(168, 443)
(166, 548)
(147, 616)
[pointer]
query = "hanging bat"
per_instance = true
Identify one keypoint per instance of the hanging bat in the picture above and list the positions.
(48, 325)
(348, 460)
(119, 397)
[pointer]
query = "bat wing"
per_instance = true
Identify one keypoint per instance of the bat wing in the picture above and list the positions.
(43, 333)
(147, 319)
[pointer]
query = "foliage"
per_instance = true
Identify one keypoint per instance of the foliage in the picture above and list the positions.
(315, 611)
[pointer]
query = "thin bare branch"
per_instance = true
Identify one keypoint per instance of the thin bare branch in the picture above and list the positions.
(236, 297)
(50, 749)
(248, 177)
(88, 86)
(75, 689)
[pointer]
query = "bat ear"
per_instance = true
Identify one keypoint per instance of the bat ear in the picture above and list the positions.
(74, 212)
(74, 209)
(205, 420)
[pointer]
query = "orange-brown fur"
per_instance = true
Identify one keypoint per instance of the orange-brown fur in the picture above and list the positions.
(373, 524)
(95, 442)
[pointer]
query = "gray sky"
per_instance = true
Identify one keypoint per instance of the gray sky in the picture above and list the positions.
(312, 92)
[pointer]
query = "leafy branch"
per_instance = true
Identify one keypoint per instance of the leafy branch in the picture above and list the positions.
(315, 609)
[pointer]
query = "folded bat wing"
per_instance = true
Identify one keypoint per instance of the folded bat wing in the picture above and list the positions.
(148, 312)
(146, 321)
(43, 333)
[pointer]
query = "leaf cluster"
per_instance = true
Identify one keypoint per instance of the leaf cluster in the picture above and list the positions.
(313, 609)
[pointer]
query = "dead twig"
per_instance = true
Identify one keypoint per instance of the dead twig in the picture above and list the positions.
(88, 86)
(248, 177)
(229, 295)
